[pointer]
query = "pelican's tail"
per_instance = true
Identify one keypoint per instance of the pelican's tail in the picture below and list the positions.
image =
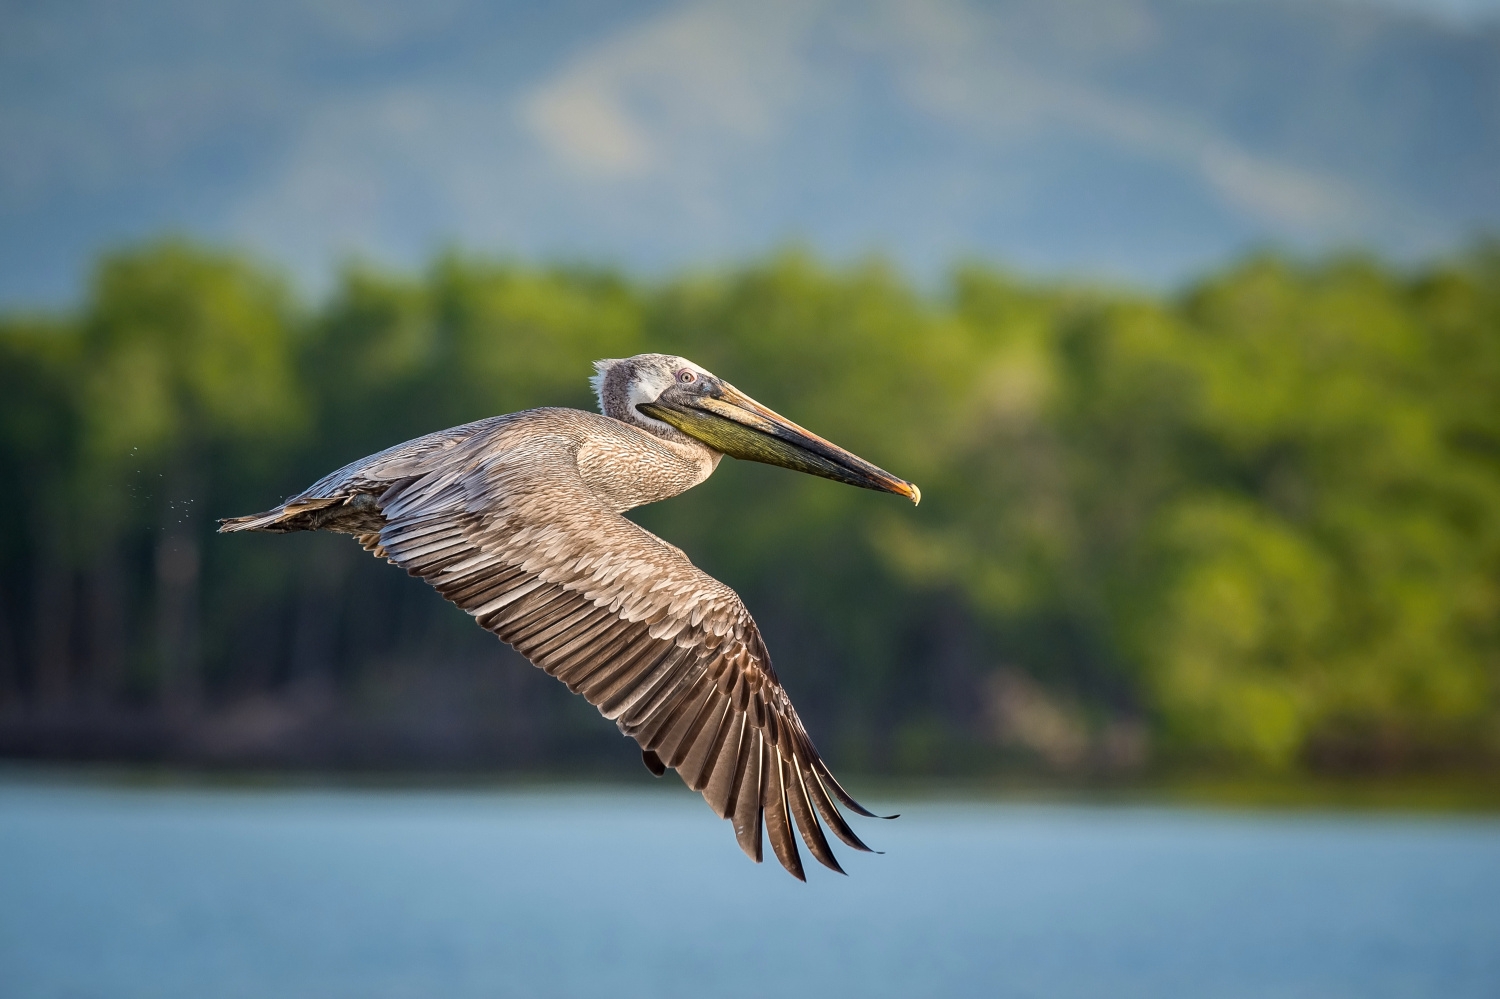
(294, 515)
(254, 522)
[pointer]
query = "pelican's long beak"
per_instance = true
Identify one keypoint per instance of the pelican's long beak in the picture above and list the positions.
(728, 420)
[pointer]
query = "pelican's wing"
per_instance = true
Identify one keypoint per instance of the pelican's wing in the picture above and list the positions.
(619, 615)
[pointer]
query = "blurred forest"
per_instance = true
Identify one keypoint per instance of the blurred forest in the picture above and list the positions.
(1250, 527)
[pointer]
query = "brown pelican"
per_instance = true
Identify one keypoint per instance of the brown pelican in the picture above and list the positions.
(517, 519)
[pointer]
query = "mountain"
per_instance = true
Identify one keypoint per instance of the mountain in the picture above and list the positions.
(1140, 140)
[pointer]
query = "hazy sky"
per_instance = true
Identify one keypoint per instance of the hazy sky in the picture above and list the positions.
(1138, 139)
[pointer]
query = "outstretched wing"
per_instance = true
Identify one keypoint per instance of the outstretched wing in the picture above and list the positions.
(619, 615)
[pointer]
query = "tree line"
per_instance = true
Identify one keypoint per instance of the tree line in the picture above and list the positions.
(1254, 524)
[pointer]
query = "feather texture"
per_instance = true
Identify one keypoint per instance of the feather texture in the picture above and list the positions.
(506, 518)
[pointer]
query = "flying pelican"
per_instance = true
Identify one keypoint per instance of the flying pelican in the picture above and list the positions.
(517, 519)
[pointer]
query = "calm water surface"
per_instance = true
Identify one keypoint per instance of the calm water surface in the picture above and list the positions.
(189, 893)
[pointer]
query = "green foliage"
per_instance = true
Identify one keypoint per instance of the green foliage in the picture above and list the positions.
(181, 345)
(1260, 519)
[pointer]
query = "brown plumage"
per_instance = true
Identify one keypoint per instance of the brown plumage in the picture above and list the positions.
(517, 519)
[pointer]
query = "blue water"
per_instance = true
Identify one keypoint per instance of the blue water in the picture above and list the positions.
(110, 892)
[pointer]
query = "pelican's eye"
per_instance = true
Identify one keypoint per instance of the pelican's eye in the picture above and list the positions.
(686, 376)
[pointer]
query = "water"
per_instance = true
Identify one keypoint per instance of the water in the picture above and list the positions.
(109, 892)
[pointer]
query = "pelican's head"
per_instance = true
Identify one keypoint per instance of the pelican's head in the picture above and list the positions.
(674, 398)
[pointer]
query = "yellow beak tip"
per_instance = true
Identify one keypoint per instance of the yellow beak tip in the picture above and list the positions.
(916, 495)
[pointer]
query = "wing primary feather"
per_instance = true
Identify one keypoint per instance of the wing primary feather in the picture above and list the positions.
(596, 637)
(656, 725)
(832, 815)
(681, 740)
(558, 664)
(560, 614)
(773, 727)
(579, 662)
(425, 569)
(778, 824)
(424, 546)
(580, 624)
(611, 645)
(748, 805)
(615, 650)
(641, 655)
(828, 780)
(806, 818)
(718, 789)
(628, 655)
(481, 591)
(656, 686)
(743, 748)
(662, 686)
(409, 533)
(519, 611)
(432, 559)
(490, 609)
(653, 763)
(514, 605)
(696, 766)
(475, 564)
(639, 680)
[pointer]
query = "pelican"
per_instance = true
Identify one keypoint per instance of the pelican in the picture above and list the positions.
(517, 519)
